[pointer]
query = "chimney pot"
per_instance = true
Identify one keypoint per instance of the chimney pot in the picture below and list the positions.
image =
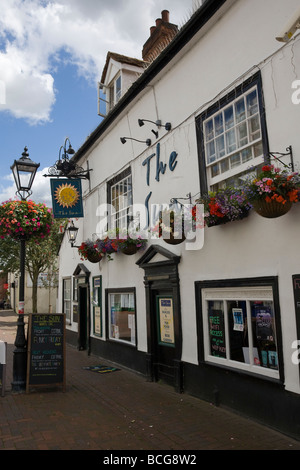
(158, 21)
(152, 29)
(165, 14)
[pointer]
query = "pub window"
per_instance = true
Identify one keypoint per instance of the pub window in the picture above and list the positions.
(241, 328)
(67, 299)
(120, 197)
(232, 137)
(121, 313)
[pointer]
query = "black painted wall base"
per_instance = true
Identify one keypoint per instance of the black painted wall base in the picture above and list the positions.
(263, 400)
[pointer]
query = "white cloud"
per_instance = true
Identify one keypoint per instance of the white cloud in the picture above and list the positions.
(34, 32)
(40, 189)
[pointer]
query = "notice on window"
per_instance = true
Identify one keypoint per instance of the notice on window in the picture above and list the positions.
(238, 319)
(217, 333)
(97, 320)
(166, 321)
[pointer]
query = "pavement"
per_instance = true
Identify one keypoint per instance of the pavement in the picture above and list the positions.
(119, 411)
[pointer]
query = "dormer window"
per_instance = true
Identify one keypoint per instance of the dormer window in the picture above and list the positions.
(119, 73)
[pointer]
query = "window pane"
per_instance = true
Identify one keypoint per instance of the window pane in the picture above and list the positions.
(237, 324)
(220, 147)
(219, 124)
(224, 165)
(122, 317)
(252, 103)
(210, 151)
(216, 328)
(235, 160)
(254, 128)
(229, 118)
(230, 141)
(209, 130)
(242, 135)
(246, 155)
(240, 111)
(215, 170)
(258, 149)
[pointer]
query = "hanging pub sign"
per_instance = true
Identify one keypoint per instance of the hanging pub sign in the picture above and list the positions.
(66, 198)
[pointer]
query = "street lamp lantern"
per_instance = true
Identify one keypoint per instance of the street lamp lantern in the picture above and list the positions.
(24, 171)
(72, 232)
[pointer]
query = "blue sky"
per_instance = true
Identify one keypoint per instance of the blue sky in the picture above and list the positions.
(52, 53)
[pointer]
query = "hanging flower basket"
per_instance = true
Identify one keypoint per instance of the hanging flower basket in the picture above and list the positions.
(88, 250)
(25, 220)
(273, 192)
(171, 226)
(129, 250)
(173, 240)
(94, 257)
(130, 245)
(272, 209)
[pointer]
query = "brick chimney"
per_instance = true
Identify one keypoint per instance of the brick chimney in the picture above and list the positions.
(160, 36)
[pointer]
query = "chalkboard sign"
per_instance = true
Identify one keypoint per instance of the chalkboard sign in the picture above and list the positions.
(46, 350)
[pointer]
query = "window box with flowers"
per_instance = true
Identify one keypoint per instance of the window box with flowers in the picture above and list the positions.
(25, 220)
(223, 206)
(273, 192)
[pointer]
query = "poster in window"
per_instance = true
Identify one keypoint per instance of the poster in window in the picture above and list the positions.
(96, 303)
(264, 320)
(238, 319)
(166, 321)
(217, 333)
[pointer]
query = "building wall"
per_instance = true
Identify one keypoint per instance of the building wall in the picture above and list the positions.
(233, 46)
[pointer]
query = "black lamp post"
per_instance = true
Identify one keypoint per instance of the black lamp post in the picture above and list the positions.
(24, 171)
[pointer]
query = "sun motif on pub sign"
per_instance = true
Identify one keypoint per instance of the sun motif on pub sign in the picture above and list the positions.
(67, 195)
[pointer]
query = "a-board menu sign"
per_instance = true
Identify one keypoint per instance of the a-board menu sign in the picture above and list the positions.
(46, 350)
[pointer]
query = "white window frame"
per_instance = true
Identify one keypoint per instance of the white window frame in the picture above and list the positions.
(252, 153)
(67, 301)
(248, 294)
(115, 91)
(112, 330)
(248, 148)
(121, 200)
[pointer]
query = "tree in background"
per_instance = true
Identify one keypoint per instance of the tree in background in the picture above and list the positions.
(43, 239)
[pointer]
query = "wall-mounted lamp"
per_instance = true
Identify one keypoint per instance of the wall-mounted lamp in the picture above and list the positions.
(289, 30)
(124, 139)
(72, 233)
(158, 123)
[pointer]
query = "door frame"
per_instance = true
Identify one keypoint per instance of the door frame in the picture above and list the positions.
(162, 276)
